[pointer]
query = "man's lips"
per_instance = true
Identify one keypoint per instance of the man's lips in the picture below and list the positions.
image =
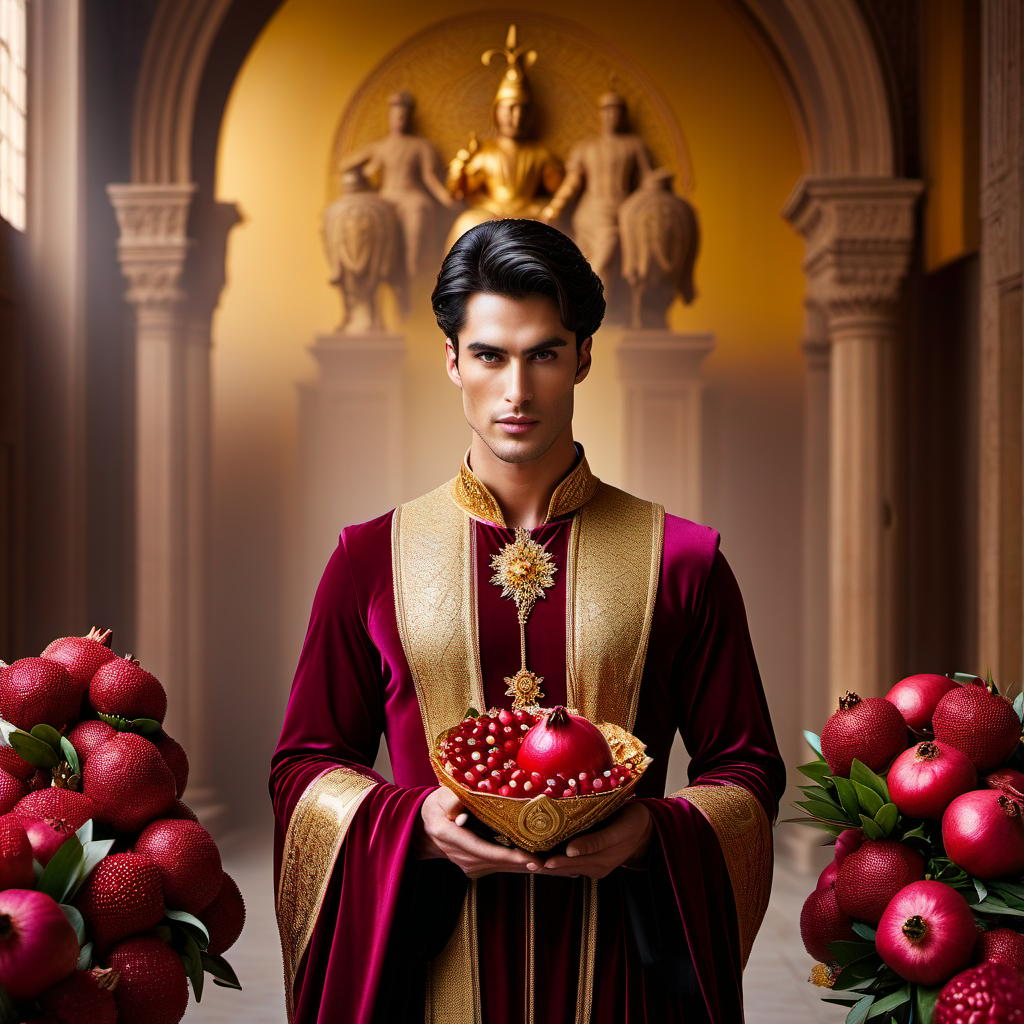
(516, 425)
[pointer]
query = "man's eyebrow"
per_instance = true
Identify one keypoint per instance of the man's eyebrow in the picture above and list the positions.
(483, 346)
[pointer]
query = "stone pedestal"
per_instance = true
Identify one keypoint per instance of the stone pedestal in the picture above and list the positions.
(662, 392)
(351, 423)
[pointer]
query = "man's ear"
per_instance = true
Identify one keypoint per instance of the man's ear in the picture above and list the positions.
(451, 360)
(583, 359)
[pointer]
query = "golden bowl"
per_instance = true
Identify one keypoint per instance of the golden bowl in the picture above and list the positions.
(540, 823)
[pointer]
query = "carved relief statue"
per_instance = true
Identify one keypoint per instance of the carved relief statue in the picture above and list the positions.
(606, 169)
(507, 175)
(660, 237)
(406, 169)
(363, 241)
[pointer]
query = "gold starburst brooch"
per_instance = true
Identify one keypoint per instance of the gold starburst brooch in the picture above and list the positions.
(523, 570)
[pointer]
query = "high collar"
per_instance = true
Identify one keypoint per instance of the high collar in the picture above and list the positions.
(576, 488)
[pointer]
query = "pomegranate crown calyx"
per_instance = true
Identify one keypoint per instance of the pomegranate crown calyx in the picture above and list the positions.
(101, 634)
(927, 751)
(848, 700)
(131, 659)
(1010, 807)
(558, 717)
(915, 928)
(106, 977)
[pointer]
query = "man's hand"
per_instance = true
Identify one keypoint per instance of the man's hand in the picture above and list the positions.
(599, 853)
(443, 836)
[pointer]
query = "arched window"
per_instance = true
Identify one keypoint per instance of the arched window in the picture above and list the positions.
(12, 112)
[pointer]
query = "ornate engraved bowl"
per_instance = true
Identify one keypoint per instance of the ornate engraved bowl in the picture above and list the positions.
(540, 823)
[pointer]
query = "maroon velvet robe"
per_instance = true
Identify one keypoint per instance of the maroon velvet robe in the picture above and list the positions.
(668, 946)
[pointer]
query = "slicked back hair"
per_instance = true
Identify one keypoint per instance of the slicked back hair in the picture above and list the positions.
(517, 258)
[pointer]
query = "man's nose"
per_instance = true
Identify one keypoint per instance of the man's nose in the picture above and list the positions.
(517, 386)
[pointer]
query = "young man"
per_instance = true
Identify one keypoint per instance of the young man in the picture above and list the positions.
(392, 906)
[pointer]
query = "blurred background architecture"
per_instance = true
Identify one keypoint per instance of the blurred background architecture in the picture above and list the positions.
(219, 221)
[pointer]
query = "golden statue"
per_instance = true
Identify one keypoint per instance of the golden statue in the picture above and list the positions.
(507, 175)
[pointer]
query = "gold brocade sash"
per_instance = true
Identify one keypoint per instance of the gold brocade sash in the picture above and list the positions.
(614, 559)
(317, 829)
(745, 837)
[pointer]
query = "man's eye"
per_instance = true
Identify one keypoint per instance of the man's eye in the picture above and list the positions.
(546, 355)
(487, 357)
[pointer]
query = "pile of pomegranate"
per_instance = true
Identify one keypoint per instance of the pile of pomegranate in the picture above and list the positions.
(112, 894)
(920, 914)
(522, 753)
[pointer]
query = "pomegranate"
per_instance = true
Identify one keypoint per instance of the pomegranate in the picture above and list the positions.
(983, 833)
(14, 764)
(987, 994)
(16, 870)
(81, 655)
(871, 730)
(978, 722)
(926, 933)
(869, 877)
(847, 841)
(566, 744)
(83, 997)
(129, 782)
(38, 946)
(828, 876)
(180, 810)
(924, 779)
(174, 755)
(64, 805)
(225, 916)
(152, 988)
(822, 921)
(11, 790)
(37, 690)
(1001, 945)
(121, 687)
(122, 896)
(1008, 780)
(46, 836)
(88, 735)
(188, 860)
(916, 696)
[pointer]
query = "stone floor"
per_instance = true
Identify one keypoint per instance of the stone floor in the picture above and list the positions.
(776, 988)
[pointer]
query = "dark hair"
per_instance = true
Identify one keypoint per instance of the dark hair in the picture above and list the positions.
(517, 258)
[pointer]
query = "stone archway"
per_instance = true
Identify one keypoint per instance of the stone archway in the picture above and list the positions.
(853, 211)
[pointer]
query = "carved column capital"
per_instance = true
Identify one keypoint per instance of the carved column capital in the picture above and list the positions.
(859, 234)
(153, 243)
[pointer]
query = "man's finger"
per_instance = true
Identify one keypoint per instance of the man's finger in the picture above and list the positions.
(472, 845)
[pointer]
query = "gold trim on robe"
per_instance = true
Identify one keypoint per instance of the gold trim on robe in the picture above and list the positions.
(745, 837)
(316, 831)
(613, 566)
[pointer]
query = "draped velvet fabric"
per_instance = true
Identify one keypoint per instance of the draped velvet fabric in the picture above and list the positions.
(668, 948)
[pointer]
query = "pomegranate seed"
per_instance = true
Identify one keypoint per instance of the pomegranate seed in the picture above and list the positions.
(527, 786)
(568, 793)
(480, 769)
(597, 785)
(505, 716)
(469, 777)
(476, 755)
(505, 791)
(485, 786)
(549, 790)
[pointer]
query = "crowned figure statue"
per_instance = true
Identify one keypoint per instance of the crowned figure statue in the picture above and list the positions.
(507, 175)
(407, 171)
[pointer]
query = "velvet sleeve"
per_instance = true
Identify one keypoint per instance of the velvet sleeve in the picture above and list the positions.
(345, 880)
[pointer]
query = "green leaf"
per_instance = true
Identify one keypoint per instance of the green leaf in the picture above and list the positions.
(223, 973)
(77, 922)
(871, 830)
(841, 1000)
(860, 772)
(967, 678)
(70, 755)
(813, 741)
(865, 931)
(92, 853)
(116, 721)
(471, 712)
(192, 926)
(917, 833)
(85, 832)
(832, 828)
(59, 876)
(815, 793)
(85, 957)
(816, 771)
(886, 818)
(192, 960)
(848, 797)
(996, 906)
(858, 973)
(870, 802)
(820, 809)
(980, 889)
(1018, 705)
(848, 951)
(34, 750)
(924, 1001)
(901, 996)
(859, 1013)
(145, 726)
(48, 735)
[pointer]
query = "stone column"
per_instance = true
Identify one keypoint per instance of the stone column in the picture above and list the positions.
(662, 390)
(859, 236)
(1001, 405)
(814, 703)
(172, 439)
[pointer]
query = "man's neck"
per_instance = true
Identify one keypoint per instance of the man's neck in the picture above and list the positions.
(523, 489)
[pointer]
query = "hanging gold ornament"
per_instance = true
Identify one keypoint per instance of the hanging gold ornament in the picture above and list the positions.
(524, 570)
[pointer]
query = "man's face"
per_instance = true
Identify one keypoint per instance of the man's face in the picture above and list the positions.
(399, 118)
(612, 118)
(510, 118)
(517, 362)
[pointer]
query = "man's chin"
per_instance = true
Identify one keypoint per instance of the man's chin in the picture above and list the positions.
(515, 451)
